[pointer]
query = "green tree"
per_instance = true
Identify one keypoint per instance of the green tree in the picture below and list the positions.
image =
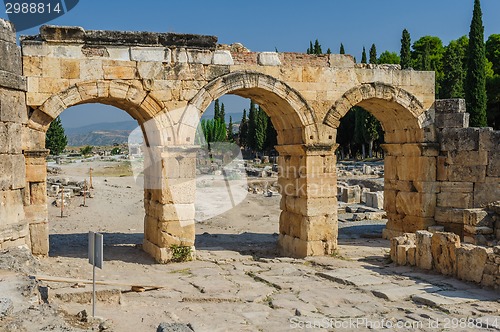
(86, 150)
(230, 134)
(222, 113)
(216, 109)
(252, 126)
(428, 54)
(345, 134)
(363, 55)
(370, 131)
(243, 134)
(493, 110)
(475, 82)
(426, 61)
(317, 48)
(405, 52)
(214, 130)
(55, 139)
(271, 136)
(493, 52)
(342, 50)
(389, 58)
(260, 129)
(310, 50)
(328, 51)
(373, 54)
(453, 80)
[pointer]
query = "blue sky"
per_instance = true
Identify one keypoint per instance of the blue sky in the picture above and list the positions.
(285, 25)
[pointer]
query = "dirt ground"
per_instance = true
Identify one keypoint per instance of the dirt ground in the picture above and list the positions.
(238, 281)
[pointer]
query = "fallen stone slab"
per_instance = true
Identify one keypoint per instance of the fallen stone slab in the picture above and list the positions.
(353, 278)
(6, 307)
(174, 327)
(443, 298)
(398, 293)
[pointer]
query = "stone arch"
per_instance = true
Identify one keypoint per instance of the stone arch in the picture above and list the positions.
(292, 117)
(394, 107)
(149, 112)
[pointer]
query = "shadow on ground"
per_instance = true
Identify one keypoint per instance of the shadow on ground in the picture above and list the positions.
(124, 247)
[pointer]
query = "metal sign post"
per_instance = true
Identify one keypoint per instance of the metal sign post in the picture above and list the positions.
(96, 259)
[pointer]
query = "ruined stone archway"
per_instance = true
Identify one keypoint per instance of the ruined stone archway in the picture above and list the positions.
(144, 108)
(410, 159)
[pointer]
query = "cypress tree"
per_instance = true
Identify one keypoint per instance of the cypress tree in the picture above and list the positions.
(243, 134)
(271, 136)
(405, 53)
(216, 109)
(475, 82)
(373, 54)
(452, 86)
(222, 113)
(310, 49)
(252, 125)
(260, 129)
(55, 139)
(342, 50)
(317, 48)
(230, 129)
(363, 56)
(328, 51)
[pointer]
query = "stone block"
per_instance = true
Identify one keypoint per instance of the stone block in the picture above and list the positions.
(478, 230)
(13, 106)
(423, 255)
(457, 173)
(11, 207)
(460, 139)
(457, 187)
(375, 199)
(416, 204)
(485, 193)
(450, 106)
(493, 164)
(199, 56)
(351, 195)
(10, 179)
(449, 215)
(39, 235)
(488, 139)
(467, 158)
(455, 200)
(478, 218)
(414, 223)
(411, 255)
(10, 141)
(452, 120)
(222, 57)
(149, 54)
(443, 246)
(11, 58)
(268, 59)
(416, 168)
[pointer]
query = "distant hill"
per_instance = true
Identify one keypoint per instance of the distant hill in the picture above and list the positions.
(100, 134)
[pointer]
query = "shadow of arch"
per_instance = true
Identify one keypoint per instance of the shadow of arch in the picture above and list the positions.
(293, 119)
(395, 108)
(150, 113)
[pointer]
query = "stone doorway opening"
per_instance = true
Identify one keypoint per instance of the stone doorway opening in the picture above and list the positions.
(98, 178)
(409, 156)
(237, 195)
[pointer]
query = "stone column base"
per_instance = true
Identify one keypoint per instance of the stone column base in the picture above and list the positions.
(298, 248)
(164, 255)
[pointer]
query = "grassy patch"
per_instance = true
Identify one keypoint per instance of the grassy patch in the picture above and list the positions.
(181, 253)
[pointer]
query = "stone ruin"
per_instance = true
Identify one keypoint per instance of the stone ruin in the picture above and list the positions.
(435, 167)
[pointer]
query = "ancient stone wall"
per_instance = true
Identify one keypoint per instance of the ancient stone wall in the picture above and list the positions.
(468, 173)
(445, 253)
(14, 228)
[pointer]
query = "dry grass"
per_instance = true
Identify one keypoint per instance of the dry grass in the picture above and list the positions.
(115, 169)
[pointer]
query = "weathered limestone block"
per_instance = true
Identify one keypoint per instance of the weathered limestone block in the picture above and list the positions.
(268, 59)
(450, 106)
(478, 230)
(449, 215)
(149, 54)
(459, 173)
(493, 164)
(443, 246)
(471, 261)
(487, 192)
(467, 158)
(222, 57)
(375, 199)
(351, 195)
(400, 246)
(416, 204)
(416, 168)
(414, 223)
(455, 200)
(11, 207)
(13, 106)
(12, 171)
(488, 139)
(459, 139)
(452, 120)
(39, 235)
(423, 256)
(9, 138)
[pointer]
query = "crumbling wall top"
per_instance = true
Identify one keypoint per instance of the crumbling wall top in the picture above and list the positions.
(64, 34)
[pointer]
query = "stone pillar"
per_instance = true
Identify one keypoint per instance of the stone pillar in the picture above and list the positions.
(170, 187)
(14, 229)
(35, 200)
(410, 187)
(307, 181)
